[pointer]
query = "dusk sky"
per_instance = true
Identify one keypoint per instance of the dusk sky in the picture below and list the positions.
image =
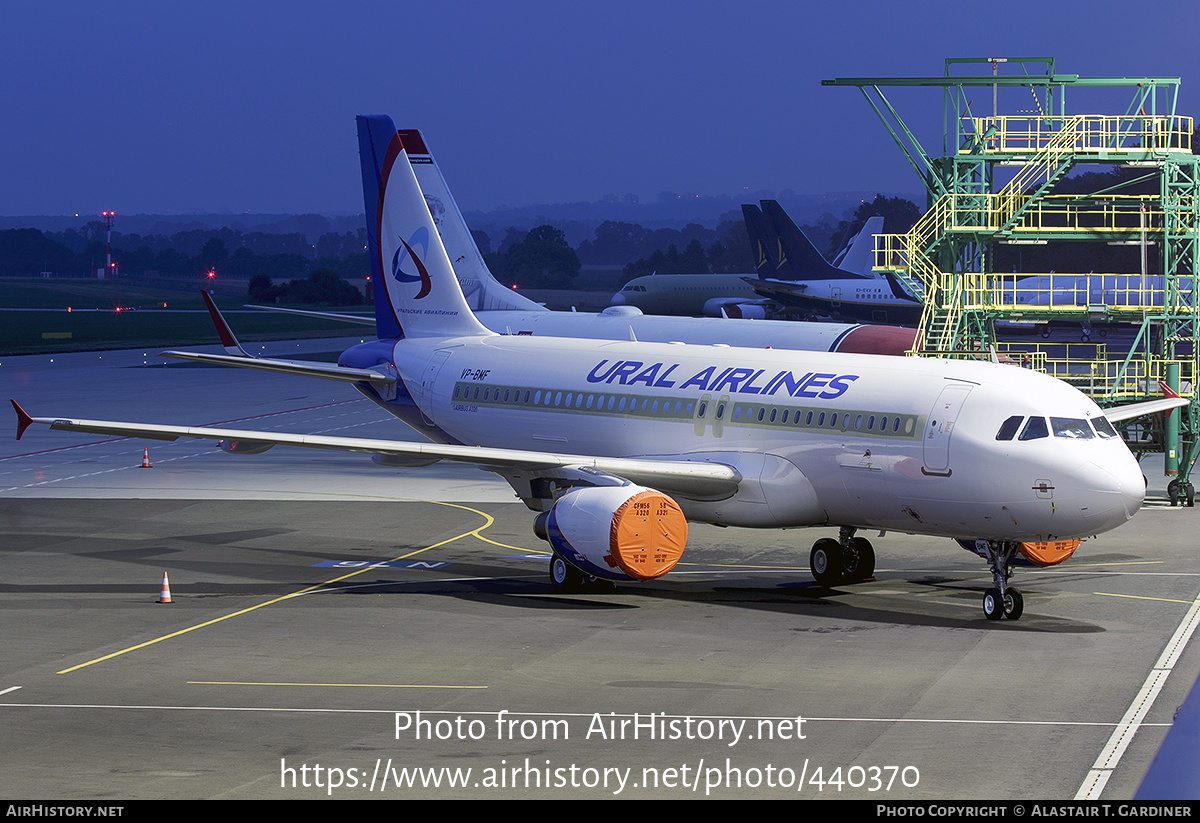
(153, 107)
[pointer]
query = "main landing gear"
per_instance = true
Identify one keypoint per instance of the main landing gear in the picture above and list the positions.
(848, 559)
(567, 579)
(1002, 600)
(564, 577)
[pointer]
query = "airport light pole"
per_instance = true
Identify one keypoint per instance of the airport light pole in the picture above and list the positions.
(109, 266)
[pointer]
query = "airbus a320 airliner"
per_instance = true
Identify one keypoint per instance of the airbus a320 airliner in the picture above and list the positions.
(617, 444)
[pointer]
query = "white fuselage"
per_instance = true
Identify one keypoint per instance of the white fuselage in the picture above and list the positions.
(894, 443)
(629, 323)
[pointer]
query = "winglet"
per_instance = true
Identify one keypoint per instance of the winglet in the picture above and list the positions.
(1167, 392)
(231, 344)
(23, 418)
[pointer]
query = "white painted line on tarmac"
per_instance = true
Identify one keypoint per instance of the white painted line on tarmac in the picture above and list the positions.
(1122, 736)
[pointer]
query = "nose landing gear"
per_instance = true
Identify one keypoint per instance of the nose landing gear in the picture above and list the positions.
(1002, 600)
(1179, 493)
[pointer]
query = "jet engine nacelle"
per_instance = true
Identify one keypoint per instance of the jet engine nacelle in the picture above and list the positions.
(746, 311)
(617, 532)
(243, 446)
(724, 306)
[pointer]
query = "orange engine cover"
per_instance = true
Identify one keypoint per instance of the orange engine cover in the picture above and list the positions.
(618, 532)
(1048, 553)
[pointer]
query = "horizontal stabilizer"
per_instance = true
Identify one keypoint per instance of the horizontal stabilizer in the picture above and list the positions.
(898, 290)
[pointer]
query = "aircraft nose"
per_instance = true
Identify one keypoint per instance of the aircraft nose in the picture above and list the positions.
(1109, 494)
(618, 299)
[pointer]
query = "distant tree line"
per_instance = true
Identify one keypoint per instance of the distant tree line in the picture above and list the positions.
(27, 252)
(725, 249)
(324, 286)
(542, 259)
(286, 268)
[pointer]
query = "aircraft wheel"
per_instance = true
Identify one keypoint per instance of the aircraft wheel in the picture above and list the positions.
(1173, 492)
(1190, 492)
(862, 565)
(564, 577)
(993, 608)
(1014, 604)
(826, 561)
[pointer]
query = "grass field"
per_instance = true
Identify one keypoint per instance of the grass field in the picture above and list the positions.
(34, 317)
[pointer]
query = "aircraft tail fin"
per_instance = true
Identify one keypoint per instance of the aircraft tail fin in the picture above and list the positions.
(804, 262)
(482, 291)
(417, 293)
(859, 255)
(766, 255)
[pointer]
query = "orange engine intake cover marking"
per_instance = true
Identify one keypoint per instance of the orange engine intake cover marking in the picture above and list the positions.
(648, 535)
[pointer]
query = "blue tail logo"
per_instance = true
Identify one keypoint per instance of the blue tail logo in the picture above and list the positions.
(420, 238)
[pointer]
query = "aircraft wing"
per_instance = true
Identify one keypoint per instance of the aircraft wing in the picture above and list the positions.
(325, 371)
(357, 319)
(1118, 413)
(238, 356)
(695, 479)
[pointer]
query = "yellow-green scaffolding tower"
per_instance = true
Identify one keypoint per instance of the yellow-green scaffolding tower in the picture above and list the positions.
(973, 205)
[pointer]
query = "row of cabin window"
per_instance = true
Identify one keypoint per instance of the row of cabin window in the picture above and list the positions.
(1074, 428)
(819, 417)
(618, 403)
(578, 400)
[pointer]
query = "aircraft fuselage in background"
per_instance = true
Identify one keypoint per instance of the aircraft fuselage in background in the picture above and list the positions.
(690, 295)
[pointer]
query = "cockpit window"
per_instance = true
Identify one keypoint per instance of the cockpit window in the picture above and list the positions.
(1034, 429)
(1103, 427)
(1071, 427)
(1008, 429)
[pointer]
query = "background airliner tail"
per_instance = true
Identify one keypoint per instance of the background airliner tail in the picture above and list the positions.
(482, 291)
(417, 293)
(764, 243)
(803, 261)
(859, 254)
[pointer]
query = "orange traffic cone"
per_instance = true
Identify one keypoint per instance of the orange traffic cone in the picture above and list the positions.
(165, 595)
(146, 459)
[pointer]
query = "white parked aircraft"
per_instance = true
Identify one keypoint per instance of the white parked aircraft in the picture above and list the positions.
(736, 295)
(505, 311)
(618, 443)
(792, 272)
(712, 295)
